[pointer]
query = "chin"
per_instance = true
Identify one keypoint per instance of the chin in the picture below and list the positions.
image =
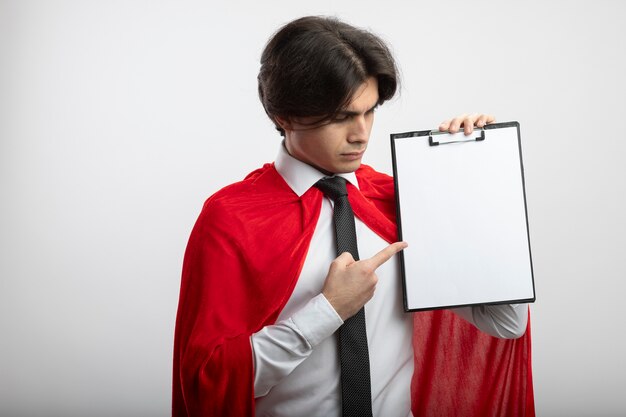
(347, 168)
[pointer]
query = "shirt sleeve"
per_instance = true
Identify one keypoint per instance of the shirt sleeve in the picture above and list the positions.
(505, 321)
(279, 348)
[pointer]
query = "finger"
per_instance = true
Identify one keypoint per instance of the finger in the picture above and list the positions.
(469, 122)
(344, 259)
(468, 125)
(485, 119)
(456, 123)
(386, 254)
(444, 125)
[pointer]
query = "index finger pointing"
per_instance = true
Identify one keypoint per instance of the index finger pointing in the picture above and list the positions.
(386, 254)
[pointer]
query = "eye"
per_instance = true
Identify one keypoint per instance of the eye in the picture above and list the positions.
(372, 110)
(343, 118)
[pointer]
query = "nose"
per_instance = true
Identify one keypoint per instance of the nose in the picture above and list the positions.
(359, 129)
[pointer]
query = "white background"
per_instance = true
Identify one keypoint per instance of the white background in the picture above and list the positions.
(118, 118)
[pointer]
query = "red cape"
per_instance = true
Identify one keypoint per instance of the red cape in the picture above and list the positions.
(242, 262)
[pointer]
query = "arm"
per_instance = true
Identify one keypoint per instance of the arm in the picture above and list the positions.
(212, 370)
(503, 321)
(278, 349)
(506, 321)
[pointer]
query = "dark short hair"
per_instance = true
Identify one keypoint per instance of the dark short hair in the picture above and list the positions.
(312, 67)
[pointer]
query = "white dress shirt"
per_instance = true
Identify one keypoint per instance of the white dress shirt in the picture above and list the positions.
(296, 362)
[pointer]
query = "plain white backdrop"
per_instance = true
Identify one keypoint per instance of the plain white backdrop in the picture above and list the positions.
(119, 118)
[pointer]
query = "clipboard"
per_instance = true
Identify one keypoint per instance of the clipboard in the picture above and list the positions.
(461, 206)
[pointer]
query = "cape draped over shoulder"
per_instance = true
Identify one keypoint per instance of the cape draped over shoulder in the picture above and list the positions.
(241, 265)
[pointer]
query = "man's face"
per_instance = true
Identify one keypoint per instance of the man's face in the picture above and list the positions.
(336, 147)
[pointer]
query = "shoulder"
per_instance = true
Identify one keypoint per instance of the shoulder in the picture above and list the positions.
(378, 189)
(256, 185)
(369, 173)
(374, 184)
(260, 192)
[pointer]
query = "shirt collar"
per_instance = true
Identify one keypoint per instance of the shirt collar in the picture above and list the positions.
(301, 176)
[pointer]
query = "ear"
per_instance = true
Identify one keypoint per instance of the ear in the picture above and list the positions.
(283, 122)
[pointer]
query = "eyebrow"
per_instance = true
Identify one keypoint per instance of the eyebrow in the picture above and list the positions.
(348, 113)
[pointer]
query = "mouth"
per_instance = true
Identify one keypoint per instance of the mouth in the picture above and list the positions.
(353, 156)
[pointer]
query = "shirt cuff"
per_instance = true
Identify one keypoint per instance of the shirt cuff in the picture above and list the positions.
(317, 320)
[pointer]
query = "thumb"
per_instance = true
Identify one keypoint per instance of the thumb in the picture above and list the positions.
(345, 259)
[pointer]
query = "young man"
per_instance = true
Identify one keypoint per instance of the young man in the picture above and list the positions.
(263, 291)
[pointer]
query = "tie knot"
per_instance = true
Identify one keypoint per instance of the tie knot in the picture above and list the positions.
(333, 187)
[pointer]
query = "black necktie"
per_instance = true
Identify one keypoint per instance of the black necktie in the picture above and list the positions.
(356, 396)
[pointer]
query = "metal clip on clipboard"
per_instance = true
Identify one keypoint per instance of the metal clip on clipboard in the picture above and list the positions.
(469, 138)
